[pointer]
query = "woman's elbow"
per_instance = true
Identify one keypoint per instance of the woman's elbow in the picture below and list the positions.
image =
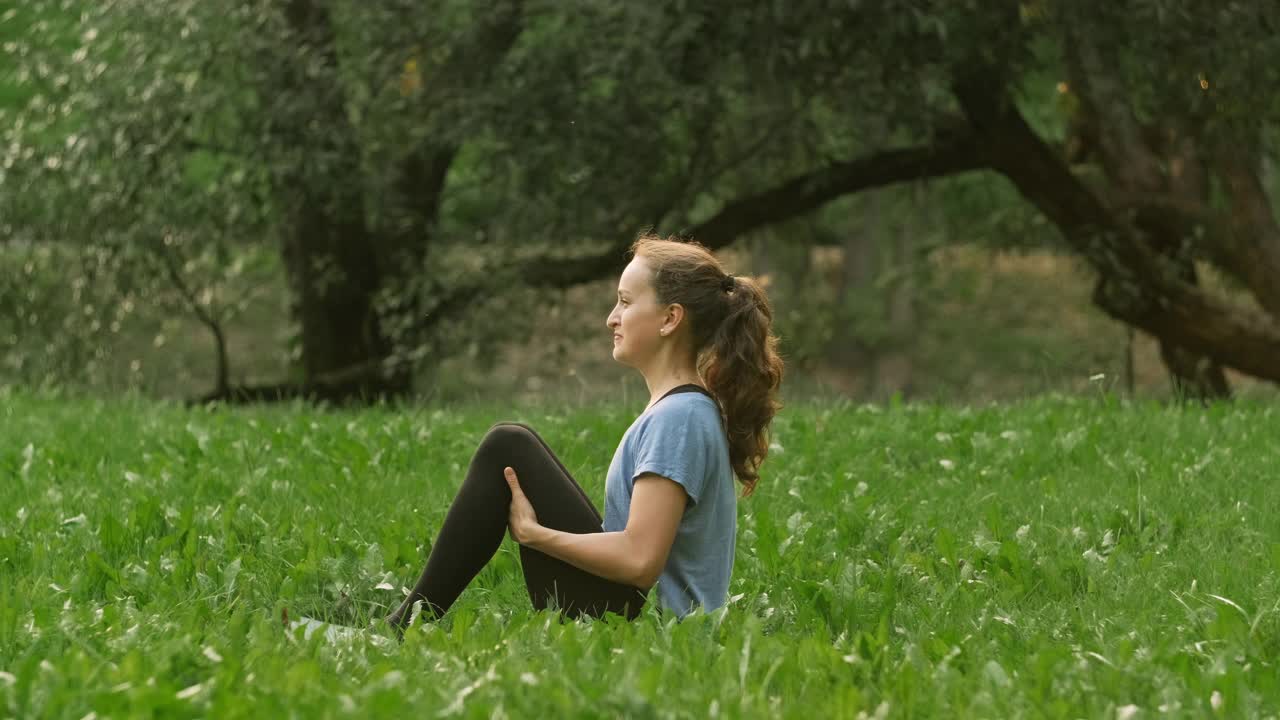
(638, 571)
(648, 569)
(647, 563)
(647, 576)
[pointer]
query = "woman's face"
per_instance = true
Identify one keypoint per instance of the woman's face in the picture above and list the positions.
(637, 318)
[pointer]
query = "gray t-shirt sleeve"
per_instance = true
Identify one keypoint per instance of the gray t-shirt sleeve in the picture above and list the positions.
(675, 443)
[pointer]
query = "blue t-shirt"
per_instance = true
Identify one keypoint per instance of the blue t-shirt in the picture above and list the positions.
(682, 438)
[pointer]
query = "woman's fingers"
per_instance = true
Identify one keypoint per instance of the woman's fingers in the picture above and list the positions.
(520, 518)
(512, 481)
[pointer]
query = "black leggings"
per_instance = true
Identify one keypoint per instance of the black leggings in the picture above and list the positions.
(477, 521)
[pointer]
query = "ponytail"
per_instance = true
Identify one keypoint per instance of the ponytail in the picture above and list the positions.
(743, 370)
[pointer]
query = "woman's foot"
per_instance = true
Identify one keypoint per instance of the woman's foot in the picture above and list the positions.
(409, 613)
(390, 626)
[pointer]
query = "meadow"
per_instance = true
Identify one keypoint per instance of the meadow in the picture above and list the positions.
(1055, 557)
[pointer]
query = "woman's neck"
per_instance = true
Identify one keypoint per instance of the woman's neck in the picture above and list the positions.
(660, 389)
(672, 367)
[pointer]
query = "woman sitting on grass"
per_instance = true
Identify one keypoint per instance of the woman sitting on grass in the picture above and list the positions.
(702, 340)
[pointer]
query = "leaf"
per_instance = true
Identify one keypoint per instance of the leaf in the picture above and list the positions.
(230, 573)
(1225, 601)
(997, 674)
(372, 563)
(28, 455)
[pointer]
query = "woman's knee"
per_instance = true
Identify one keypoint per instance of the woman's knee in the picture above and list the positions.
(509, 436)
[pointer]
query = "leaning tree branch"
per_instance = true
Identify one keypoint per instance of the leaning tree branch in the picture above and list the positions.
(791, 199)
(804, 194)
(955, 153)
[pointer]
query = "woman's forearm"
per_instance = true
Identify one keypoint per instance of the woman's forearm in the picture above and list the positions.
(611, 555)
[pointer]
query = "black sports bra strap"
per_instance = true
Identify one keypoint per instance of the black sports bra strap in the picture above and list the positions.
(690, 387)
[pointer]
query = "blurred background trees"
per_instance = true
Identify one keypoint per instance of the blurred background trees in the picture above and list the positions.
(259, 199)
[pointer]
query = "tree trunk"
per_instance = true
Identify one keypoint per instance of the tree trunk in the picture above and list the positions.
(363, 322)
(334, 274)
(402, 253)
(1193, 375)
(330, 257)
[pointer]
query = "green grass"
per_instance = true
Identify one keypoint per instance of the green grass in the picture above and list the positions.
(1055, 558)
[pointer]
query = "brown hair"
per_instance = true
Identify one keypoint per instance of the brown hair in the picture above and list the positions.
(735, 350)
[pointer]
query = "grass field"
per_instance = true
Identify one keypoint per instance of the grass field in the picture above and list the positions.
(1054, 558)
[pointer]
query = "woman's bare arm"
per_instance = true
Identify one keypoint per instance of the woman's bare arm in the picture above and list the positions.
(635, 555)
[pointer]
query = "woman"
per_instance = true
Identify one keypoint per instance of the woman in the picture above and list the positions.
(702, 341)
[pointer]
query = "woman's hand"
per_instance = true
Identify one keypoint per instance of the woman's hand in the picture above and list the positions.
(521, 519)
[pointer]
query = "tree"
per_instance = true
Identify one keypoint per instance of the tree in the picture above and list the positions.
(194, 126)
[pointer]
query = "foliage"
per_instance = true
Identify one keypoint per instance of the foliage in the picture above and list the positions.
(55, 315)
(103, 176)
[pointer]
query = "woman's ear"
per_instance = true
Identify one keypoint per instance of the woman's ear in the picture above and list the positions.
(675, 315)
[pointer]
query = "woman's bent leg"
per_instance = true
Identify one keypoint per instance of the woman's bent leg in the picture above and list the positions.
(554, 582)
(477, 520)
